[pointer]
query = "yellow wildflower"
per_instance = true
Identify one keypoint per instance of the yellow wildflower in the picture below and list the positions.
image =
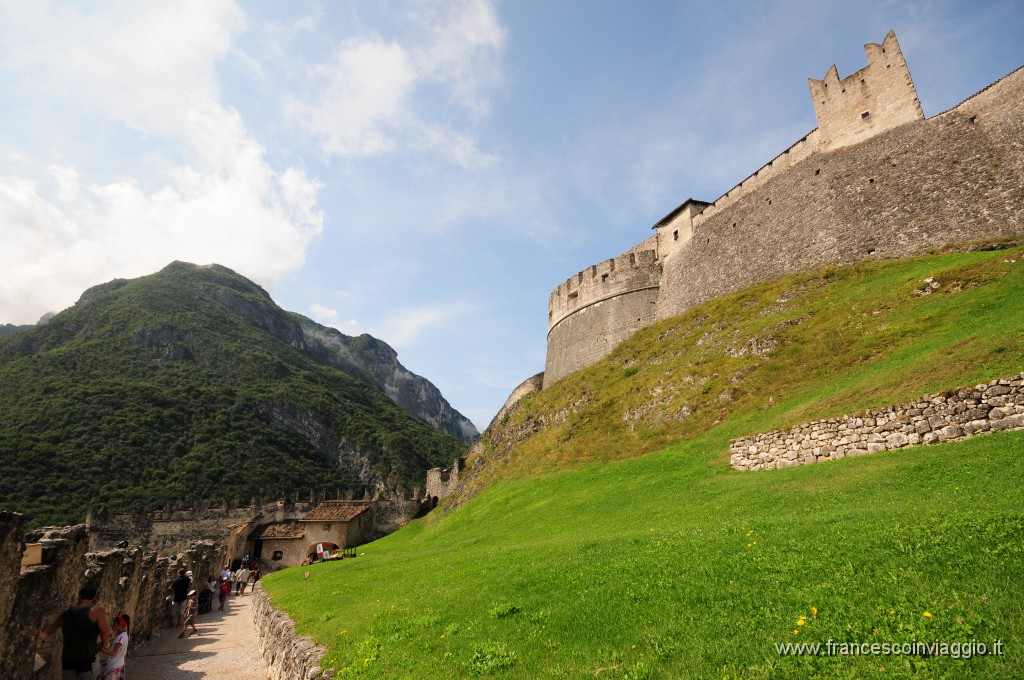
(796, 632)
(814, 612)
(927, 615)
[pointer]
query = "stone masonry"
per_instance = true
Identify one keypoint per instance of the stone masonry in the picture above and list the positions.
(289, 656)
(993, 407)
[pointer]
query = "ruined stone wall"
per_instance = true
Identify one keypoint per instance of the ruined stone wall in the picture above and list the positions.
(995, 407)
(954, 178)
(170, 532)
(128, 580)
(442, 482)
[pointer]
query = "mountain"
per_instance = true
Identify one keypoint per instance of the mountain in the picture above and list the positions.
(191, 384)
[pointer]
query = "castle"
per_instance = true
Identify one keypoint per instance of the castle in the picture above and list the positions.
(875, 179)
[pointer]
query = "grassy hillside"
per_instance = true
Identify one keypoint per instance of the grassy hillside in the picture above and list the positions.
(589, 559)
(174, 387)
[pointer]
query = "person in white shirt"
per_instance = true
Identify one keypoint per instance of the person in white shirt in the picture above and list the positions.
(113, 666)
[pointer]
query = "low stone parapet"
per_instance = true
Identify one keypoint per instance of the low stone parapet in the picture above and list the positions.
(992, 407)
(289, 656)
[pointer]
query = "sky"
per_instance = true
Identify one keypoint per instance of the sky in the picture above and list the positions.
(425, 172)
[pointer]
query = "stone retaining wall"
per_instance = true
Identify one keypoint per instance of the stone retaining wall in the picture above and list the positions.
(994, 407)
(289, 656)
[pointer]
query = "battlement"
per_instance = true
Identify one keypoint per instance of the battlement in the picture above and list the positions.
(876, 98)
(636, 269)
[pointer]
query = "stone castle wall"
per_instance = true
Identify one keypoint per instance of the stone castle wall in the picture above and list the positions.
(288, 655)
(888, 185)
(995, 407)
(598, 308)
(128, 580)
(953, 178)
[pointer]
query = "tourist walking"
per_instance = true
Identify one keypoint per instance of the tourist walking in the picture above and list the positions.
(190, 614)
(81, 625)
(113, 667)
(243, 579)
(223, 591)
(179, 594)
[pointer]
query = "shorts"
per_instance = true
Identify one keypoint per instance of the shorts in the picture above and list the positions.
(177, 608)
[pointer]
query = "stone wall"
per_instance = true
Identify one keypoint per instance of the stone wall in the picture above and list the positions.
(442, 482)
(876, 98)
(932, 419)
(599, 307)
(888, 186)
(128, 580)
(288, 655)
(170, 531)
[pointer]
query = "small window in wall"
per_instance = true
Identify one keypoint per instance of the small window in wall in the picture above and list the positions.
(675, 235)
(604, 278)
(573, 295)
(278, 555)
(865, 115)
(973, 119)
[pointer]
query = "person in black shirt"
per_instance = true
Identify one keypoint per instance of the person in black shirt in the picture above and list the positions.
(179, 591)
(81, 625)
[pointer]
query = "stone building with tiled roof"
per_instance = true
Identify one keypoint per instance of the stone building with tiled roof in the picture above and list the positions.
(335, 525)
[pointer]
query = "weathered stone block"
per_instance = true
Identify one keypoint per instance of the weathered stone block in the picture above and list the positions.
(896, 440)
(976, 426)
(951, 432)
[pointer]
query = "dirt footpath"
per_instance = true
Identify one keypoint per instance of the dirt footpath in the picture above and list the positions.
(224, 648)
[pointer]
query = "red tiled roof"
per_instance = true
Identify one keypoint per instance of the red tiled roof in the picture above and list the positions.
(279, 530)
(336, 511)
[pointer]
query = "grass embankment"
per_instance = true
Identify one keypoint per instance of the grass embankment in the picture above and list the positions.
(672, 565)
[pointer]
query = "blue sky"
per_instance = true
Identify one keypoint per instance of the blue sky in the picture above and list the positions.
(426, 172)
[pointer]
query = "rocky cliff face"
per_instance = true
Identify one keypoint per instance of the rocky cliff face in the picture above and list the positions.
(376, 362)
(365, 357)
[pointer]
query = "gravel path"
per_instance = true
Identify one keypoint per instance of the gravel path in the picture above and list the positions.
(225, 648)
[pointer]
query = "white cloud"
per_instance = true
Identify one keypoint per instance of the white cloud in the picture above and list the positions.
(406, 326)
(151, 68)
(363, 97)
(371, 95)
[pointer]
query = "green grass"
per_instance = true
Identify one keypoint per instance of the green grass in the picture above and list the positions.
(703, 571)
(587, 559)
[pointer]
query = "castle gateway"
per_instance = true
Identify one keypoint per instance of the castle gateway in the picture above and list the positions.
(875, 179)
